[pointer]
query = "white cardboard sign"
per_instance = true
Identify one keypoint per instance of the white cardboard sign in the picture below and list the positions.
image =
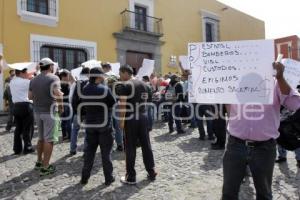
(76, 72)
(184, 62)
(146, 69)
(237, 72)
(291, 72)
(115, 67)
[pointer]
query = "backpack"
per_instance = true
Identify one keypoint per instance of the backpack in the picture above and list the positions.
(290, 131)
(76, 98)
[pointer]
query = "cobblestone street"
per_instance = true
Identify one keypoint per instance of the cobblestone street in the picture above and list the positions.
(187, 168)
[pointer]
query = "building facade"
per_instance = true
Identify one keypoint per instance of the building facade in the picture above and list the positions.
(124, 31)
(288, 46)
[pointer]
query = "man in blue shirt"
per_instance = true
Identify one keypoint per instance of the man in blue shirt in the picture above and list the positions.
(97, 102)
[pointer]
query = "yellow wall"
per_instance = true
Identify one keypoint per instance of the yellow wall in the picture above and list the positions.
(182, 24)
(94, 21)
(97, 20)
(1, 19)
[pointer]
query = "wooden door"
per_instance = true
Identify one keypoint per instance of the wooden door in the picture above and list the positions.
(135, 59)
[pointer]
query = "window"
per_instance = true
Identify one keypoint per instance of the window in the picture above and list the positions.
(210, 25)
(42, 12)
(68, 58)
(209, 32)
(38, 6)
(140, 18)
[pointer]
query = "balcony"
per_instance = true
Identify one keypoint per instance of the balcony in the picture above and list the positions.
(132, 21)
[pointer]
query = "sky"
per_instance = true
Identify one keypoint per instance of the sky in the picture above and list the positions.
(282, 18)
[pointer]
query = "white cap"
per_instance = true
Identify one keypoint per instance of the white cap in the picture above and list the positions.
(46, 61)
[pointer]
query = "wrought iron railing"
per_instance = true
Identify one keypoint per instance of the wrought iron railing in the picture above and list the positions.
(139, 22)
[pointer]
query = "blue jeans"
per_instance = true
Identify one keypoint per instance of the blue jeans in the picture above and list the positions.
(118, 132)
(261, 161)
(282, 152)
(74, 135)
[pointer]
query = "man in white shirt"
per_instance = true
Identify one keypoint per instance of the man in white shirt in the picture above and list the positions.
(23, 112)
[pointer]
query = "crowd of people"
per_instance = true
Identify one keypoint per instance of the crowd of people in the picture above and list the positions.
(121, 109)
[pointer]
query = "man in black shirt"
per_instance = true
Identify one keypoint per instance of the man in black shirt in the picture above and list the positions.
(134, 94)
(175, 97)
(66, 118)
(97, 101)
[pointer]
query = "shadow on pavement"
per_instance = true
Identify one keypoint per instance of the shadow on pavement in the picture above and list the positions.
(122, 192)
(14, 187)
(289, 177)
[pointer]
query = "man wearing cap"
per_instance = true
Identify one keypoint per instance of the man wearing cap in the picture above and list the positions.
(23, 112)
(134, 95)
(47, 99)
(98, 102)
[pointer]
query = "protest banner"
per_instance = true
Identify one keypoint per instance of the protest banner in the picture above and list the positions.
(191, 93)
(291, 72)
(146, 69)
(76, 72)
(184, 62)
(115, 67)
(91, 64)
(236, 72)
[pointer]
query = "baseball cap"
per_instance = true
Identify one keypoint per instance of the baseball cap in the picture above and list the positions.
(46, 61)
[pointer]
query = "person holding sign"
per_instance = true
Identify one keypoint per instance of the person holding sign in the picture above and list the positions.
(253, 130)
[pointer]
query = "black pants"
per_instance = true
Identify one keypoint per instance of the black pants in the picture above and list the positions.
(171, 115)
(261, 161)
(219, 128)
(95, 138)
(136, 129)
(23, 114)
(200, 112)
(10, 120)
(219, 124)
(66, 125)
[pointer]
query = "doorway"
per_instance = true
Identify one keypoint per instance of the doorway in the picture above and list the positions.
(135, 59)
